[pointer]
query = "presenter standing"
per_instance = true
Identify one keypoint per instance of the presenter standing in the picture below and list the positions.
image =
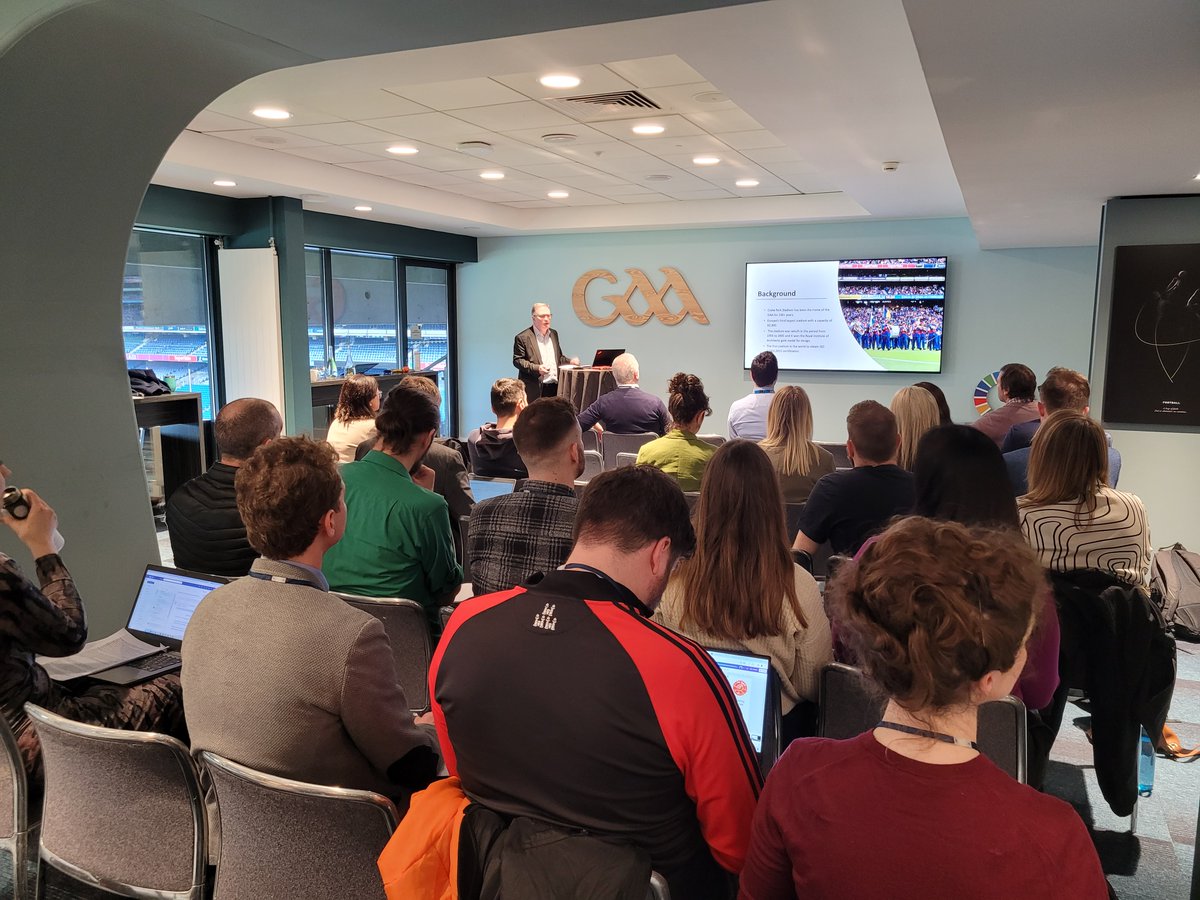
(537, 355)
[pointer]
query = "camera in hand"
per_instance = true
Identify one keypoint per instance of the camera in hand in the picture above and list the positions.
(14, 503)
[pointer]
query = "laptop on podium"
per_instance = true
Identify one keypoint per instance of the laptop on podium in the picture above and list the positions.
(604, 358)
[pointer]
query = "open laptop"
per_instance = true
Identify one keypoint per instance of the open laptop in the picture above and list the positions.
(165, 602)
(487, 488)
(754, 684)
(604, 358)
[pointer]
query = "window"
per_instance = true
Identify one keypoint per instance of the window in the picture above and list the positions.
(319, 348)
(166, 310)
(364, 310)
(427, 326)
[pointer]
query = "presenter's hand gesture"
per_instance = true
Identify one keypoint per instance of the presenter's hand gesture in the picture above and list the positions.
(543, 370)
(424, 477)
(37, 529)
(574, 360)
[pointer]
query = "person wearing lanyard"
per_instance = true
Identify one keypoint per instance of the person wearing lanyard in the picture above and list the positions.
(748, 416)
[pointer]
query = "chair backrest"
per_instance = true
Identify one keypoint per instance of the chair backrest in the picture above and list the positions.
(612, 444)
(849, 706)
(444, 613)
(658, 888)
(821, 560)
(626, 459)
(464, 532)
(284, 838)
(692, 498)
(122, 809)
(593, 464)
(591, 440)
(794, 512)
(841, 459)
(715, 439)
(14, 787)
(412, 646)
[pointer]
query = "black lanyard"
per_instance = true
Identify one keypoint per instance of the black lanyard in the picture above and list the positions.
(280, 579)
(932, 735)
(625, 593)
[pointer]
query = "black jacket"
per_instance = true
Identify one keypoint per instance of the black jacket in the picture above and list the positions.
(494, 453)
(527, 358)
(1116, 645)
(207, 534)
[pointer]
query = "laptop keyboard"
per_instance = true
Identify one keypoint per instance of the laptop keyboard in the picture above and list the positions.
(157, 661)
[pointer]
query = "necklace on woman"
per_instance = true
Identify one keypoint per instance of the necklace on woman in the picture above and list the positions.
(932, 735)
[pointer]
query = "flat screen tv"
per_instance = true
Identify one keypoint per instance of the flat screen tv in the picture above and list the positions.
(848, 315)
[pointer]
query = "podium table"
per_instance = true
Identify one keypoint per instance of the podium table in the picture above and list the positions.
(583, 385)
(180, 416)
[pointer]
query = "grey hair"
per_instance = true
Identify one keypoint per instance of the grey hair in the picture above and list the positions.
(625, 368)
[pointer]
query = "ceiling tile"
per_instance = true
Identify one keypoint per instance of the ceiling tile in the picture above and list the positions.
(584, 134)
(239, 104)
(340, 133)
(366, 103)
(707, 194)
(532, 204)
(425, 126)
(768, 155)
(592, 80)
(556, 170)
(750, 140)
(271, 138)
(484, 192)
(208, 121)
(331, 154)
(656, 71)
(645, 198)
(512, 116)
(626, 190)
(716, 121)
(405, 173)
(698, 143)
(458, 94)
(682, 98)
(676, 126)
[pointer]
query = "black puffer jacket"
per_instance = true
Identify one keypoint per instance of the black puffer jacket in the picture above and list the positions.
(207, 534)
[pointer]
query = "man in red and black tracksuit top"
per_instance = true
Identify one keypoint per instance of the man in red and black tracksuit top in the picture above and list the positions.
(563, 702)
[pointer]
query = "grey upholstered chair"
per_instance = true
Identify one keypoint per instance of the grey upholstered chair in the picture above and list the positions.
(849, 706)
(625, 459)
(658, 888)
(284, 838)
(612, 444)
(412, 646)
(123, 809)
(591, 440)
(715, 439)
(16, 833)
(593, 465)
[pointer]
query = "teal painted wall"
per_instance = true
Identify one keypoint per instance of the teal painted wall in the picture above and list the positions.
(1032, 306)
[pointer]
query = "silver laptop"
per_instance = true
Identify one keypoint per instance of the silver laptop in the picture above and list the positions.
(165, 602)
(754, 685)
(486, 488)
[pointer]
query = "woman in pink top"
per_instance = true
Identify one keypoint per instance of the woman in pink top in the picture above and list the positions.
(938, 615)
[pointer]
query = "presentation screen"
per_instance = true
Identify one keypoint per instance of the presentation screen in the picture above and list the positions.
(848, 315)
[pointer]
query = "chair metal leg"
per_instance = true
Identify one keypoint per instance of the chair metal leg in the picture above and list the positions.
(1133, 816)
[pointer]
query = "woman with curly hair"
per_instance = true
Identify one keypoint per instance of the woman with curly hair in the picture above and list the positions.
(354, 419)
(679, 452)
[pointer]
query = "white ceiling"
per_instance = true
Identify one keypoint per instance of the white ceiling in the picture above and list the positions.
(819, 95)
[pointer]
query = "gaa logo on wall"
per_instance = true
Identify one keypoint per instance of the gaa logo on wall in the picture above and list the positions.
(639, 283)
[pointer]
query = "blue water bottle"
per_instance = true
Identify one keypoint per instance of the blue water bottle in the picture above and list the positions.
(1145, 765)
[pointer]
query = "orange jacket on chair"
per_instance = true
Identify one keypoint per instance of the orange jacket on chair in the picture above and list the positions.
(420, 862)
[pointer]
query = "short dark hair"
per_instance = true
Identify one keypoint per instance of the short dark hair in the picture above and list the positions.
(960, 477)
(283, 490)
(1018, 380)
(633, 506)
(507, 393)
(543, 426)
(425, 385)
(1065, 389)
(406, 414)
(242, 426)
(872, 428)
(764, 369)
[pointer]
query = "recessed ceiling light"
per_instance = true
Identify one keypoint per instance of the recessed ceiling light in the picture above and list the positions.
(271, 112)
(1197, 178)
(648, 129)
(403, 150)
(559, 138)
(559, 81)
(558, 195)
(362, 208)
(491, 175)
(747, 182)
(706, 160)
(224, 182)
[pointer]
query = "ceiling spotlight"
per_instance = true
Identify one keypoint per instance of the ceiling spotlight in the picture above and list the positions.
(747, 182)
(558, 195)
(403, 150)
(648, 129)
(475, 148)
(561, 82)
(559, 138)
(1197, 178)
(271, 112)
(491, 175)
(224, 182)
(362, 208)
(705, 160)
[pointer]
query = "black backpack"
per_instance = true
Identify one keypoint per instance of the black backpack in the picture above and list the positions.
(1175, 576)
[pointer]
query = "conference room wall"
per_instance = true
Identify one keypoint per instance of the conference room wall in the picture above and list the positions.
(1033, 306)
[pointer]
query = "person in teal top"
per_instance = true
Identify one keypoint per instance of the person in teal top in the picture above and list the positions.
(679, 452)
(397, 541)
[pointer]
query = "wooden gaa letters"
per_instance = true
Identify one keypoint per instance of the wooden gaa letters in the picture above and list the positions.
(656, 306)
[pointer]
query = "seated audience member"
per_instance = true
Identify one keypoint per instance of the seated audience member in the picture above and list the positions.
(528, 531)
(628, 409)
(354, 418)
(916, 412)
(562, 702)
(1062, 389)
(206, 531)
(398, 541)
(799, 462)
(1015, 386)
(748, 416)
(493, 453)
(940, 398)
(49, 621)
(679, 452)
(284, 677)
(741, 590)
(938, 615)
(1070, 516)
(846, 508)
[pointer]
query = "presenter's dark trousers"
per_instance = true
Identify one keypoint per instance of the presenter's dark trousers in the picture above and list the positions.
(550, 389)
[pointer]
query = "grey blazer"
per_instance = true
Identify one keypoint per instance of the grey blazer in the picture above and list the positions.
(289, 679)
(527, 358)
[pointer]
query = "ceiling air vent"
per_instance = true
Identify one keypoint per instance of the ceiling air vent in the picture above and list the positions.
(598, 107)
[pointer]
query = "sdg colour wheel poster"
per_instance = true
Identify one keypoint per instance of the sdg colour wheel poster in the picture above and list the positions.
(1152, 376)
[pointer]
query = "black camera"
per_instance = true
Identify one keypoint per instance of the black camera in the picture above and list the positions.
(14, 503)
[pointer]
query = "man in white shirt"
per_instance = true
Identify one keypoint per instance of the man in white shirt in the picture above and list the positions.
(537, 355)
(748, 416)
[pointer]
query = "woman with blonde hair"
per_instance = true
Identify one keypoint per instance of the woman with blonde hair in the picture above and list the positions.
(789, 445)
(740, 590)
(679, 452)
(354, 419)
(916, 412)
(1071, 517)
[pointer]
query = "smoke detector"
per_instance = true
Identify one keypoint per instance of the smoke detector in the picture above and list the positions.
(891, 166)
(559, 138)
(475, 148)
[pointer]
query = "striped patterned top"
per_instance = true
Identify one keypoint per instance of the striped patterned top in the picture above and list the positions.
(1116, 539)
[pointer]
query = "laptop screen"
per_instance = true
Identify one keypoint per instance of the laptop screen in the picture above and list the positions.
(748, 676)
(485, 490)
(167, 599)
